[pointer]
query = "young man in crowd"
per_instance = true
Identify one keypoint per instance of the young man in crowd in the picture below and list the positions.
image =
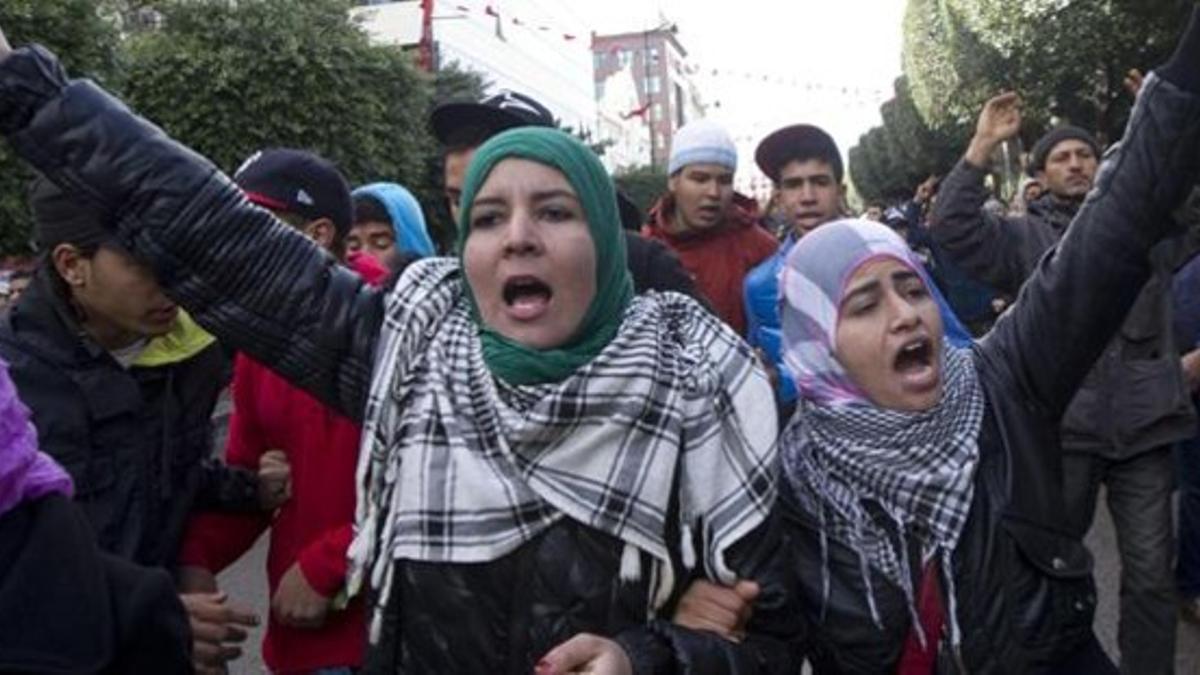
(1134, 406)
(275, 422)
(122, 385)
(805, 167)
(462, 127)
(389, 225)
(712, 229)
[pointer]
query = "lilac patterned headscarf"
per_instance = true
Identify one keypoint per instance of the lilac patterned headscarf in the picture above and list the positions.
(25, 472)
(811, 284)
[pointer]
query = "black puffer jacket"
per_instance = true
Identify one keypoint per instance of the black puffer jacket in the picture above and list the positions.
(1135, 398)
(1024, 587)
(318, 325)
(137, 442)
(65, 607)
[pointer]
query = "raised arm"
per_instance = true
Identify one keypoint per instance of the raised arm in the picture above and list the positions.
(255, 283)
(1079, 295)
(986, 246)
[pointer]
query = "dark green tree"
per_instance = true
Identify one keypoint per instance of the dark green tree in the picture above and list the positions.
(229, 77)
(643, 185)
(454, 83)
(1067, 58)
(85, 35)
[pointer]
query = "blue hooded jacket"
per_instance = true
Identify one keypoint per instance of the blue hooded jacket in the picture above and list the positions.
(412, 236)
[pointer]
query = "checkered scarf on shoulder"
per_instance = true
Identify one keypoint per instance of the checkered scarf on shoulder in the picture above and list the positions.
(873, 477)
(452, 470)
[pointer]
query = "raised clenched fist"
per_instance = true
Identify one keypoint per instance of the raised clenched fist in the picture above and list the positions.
(1000, 118)
(999, 121)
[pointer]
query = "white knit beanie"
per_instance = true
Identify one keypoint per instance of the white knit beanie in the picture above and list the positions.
(702, 142)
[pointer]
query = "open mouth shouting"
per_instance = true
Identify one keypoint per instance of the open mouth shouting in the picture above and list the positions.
(916, 364)
(526, 297)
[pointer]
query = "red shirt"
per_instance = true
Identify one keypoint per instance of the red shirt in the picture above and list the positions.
(718, 261)
(915, 659)
(313, 528)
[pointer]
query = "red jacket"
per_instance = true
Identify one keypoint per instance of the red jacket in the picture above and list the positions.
(313, 528)
(718, 261)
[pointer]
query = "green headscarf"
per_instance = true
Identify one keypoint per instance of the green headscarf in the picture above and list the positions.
(518, 364)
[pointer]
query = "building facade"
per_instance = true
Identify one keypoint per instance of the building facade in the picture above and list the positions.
(537, 49)
(667, 98)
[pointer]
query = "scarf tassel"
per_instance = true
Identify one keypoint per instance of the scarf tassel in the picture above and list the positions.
(631, 564)
(687, 547)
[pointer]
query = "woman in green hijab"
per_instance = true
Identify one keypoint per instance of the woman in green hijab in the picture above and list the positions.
(552, 457)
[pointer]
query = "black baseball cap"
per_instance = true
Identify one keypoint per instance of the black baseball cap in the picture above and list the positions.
(799, 141)
(505, 110)
(299, 182)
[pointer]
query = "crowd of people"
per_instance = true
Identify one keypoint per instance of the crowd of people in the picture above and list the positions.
(707, 438)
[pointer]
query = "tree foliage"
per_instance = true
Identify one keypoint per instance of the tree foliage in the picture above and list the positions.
(230, 77)
(1067, 58)
(85, 35)
(891, 160)
(643, 185)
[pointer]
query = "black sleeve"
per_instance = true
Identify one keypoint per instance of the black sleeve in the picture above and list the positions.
(775, 637)
(151, 626)
(258, 285)
(227, 488)
(1081, 291)
(986, 246)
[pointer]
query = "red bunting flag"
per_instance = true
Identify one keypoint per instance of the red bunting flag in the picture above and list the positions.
(490, 11)
(637, 112)
(568, 36)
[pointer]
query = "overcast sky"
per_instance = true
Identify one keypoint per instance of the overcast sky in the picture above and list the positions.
(823, 45)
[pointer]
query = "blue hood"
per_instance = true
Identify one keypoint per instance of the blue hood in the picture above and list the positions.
(412, 236)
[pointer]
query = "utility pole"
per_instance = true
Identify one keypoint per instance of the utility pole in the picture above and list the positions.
(425, 48)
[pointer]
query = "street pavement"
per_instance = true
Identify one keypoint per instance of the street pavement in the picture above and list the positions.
(246, 582)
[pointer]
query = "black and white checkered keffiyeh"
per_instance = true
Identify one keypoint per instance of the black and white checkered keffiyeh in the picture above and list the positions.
(915, 471)
(456, 467)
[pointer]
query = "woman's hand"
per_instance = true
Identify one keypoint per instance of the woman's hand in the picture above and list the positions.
(717, 609)
(585, 653)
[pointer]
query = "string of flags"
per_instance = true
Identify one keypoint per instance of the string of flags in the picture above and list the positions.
(502, 19)
(797, 82)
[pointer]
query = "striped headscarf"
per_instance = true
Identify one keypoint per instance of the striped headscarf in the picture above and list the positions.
(860, 470)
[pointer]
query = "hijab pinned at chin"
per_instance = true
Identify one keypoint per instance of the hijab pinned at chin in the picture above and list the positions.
(812, 282)
(513, 362)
